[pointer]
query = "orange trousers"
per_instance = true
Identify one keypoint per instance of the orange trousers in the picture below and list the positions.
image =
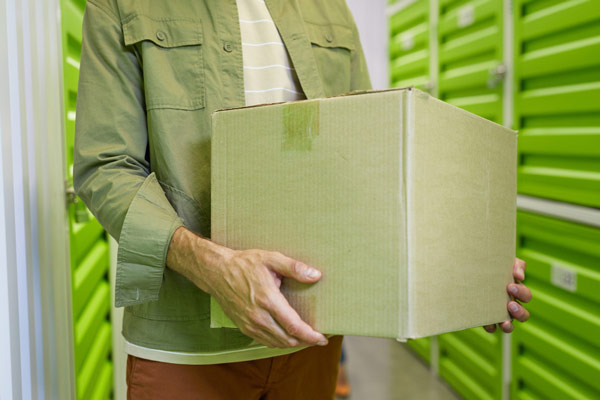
(309, 374)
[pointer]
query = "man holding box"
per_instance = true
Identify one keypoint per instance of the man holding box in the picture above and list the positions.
(151, 75)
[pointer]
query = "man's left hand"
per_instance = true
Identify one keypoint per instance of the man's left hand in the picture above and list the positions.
(517, 291)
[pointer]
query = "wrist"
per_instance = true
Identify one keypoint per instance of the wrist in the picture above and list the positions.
(197, 258)
(174, 249)
(210, 261)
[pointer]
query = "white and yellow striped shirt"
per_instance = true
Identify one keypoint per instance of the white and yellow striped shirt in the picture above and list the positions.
(269, 76)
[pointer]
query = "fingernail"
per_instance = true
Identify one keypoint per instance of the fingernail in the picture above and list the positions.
(312, 273)
(513, 289)
(322, 343)
(513, 307)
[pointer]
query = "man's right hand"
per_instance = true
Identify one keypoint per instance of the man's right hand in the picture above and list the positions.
(246, 285)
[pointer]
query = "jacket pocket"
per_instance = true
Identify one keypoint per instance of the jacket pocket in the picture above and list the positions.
(332, 47)
(171, 57)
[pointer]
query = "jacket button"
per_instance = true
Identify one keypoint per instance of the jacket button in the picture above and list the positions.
(161, 35)
(329, 38)
(227, 47)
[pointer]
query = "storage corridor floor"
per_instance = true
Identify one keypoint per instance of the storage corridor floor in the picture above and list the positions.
(383, 369)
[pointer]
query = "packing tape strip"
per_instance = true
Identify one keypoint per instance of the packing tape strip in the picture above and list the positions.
(300, 125)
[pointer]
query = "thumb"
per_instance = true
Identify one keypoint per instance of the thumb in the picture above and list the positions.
(293, 269)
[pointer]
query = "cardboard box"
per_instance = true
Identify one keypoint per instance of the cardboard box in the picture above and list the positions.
(405, 203)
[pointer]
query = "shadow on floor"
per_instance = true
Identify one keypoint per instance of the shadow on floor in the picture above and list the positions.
(383, 369)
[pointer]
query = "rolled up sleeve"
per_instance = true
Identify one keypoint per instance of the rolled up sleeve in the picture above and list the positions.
(111, 172)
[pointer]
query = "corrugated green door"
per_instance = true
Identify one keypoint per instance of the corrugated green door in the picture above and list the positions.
(470, 55)
(471, 362)
(557, 107)
(556, 354)
(409, 46)
(422, 347)
(88, 244)
(471, 77)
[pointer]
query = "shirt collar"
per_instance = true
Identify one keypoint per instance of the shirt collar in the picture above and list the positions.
(288, 19)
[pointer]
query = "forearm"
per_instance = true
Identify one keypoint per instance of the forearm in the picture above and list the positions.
(246, 284)
(196, 258)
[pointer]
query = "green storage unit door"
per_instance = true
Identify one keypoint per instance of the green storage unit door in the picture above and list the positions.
(471, 77)
(471, 362)
(470, 55)
(422, 347)
(556, 354)
(89, 247)
(409, 46)
(557, 104)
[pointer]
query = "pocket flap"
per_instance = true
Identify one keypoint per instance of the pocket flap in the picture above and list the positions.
(331, 35)
(163, 33)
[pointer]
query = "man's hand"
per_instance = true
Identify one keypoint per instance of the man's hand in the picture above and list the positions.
(246, 285)
(517, 291)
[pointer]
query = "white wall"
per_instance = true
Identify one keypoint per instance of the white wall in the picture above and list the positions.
(372, 25)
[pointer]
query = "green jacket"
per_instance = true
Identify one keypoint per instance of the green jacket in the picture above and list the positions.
(151, 74)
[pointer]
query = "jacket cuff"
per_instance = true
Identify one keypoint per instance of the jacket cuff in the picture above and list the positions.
(143, 243)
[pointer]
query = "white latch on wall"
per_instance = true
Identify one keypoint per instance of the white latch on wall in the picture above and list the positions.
(70, 193)
(564, 277)
(408, 41)
(81, 212)
(466, 16)
(496, 76)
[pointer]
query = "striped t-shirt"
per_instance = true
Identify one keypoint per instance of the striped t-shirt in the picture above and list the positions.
(269, 76)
